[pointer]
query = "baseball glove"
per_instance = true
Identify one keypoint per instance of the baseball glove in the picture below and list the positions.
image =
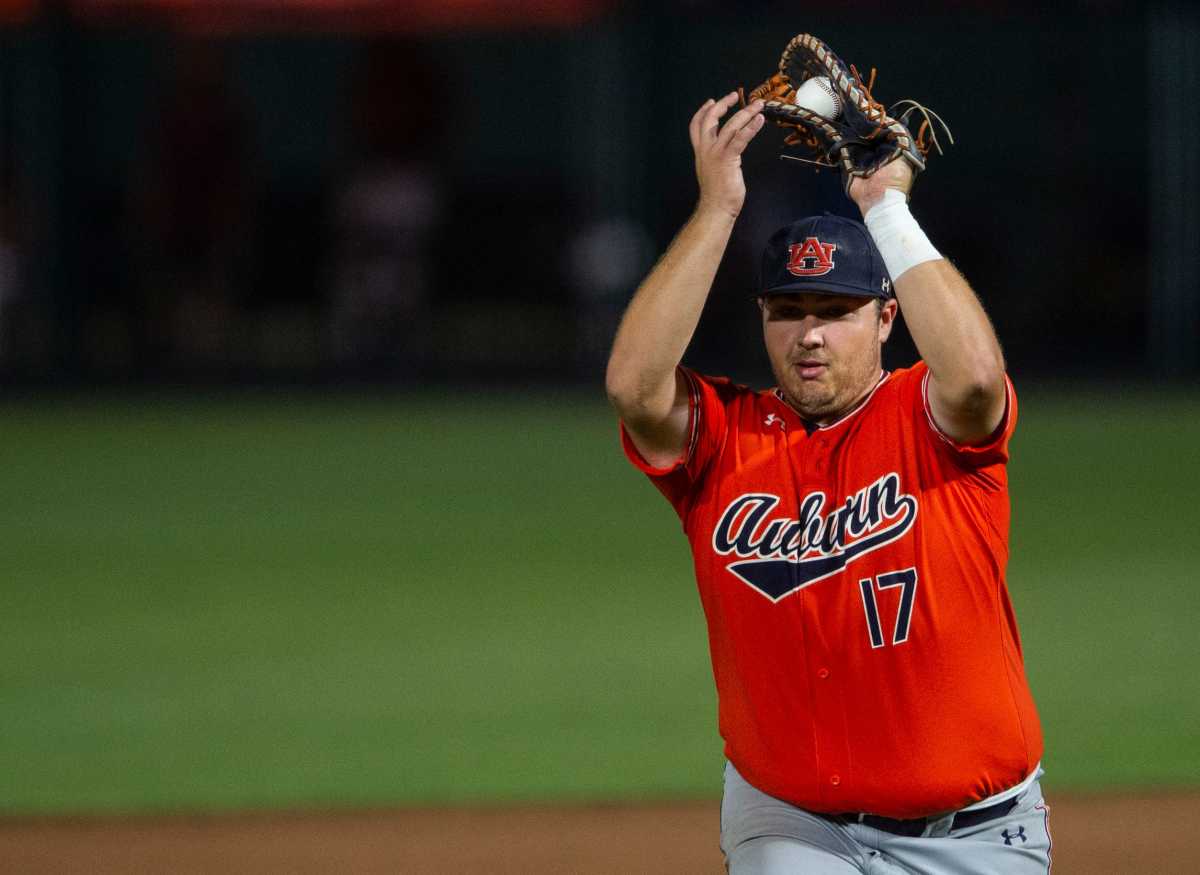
(864, 136)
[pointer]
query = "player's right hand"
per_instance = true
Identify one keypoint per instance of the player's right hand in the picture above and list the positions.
(719, 151)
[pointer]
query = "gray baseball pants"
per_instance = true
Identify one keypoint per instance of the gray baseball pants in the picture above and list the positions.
(762, 835)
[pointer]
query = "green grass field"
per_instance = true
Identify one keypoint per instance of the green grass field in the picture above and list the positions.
(294, 601)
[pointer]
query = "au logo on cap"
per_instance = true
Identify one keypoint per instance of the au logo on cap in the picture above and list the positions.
(810, 258)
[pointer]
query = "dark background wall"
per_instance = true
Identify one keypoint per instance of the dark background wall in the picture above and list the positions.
(262, 201)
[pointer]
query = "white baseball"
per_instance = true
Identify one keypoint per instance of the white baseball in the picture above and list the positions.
(817, 95)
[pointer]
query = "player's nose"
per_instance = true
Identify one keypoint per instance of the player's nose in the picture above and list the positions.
(811, 332)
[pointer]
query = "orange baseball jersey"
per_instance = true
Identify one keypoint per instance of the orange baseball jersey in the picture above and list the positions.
(864, 647)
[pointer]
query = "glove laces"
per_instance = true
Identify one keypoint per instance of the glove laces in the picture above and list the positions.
(926, 135)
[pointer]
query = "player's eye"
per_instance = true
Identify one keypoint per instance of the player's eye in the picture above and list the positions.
(786, 314)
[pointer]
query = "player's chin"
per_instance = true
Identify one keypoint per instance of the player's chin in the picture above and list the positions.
(809, 398)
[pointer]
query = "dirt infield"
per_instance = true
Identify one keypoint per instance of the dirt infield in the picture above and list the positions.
(1151, 833)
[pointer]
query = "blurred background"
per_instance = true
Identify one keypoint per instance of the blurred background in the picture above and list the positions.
(232, 190)
(313, 497)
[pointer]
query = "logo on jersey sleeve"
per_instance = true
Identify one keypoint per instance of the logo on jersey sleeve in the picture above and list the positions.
(810, 258)
(779, 556)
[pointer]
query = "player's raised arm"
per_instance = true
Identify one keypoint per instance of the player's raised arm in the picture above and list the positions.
(642, 381)
(946, 320)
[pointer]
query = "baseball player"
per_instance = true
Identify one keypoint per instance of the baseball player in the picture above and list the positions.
(849, 530)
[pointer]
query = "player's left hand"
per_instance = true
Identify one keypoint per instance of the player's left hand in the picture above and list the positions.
(866, 191)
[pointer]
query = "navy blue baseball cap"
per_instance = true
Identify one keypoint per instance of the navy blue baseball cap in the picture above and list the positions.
(827, 254)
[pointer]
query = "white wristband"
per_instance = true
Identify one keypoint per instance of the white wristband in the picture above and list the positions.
(897, 235)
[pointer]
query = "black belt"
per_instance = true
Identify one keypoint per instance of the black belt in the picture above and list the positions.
(914, 828)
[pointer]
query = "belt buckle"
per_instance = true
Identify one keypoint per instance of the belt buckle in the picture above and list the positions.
(906, 828)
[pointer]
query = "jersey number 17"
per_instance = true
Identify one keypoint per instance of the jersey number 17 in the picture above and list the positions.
(907, 581)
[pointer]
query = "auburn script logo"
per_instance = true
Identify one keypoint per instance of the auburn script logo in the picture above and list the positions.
(778, 555)
(810, 258)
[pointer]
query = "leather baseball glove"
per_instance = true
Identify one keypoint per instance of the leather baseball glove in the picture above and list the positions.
(865, 136)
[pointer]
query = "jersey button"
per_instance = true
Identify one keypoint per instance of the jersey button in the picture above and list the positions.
(822, 673)
(835, 779)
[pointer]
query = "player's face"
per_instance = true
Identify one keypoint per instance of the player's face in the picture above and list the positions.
(824, 349)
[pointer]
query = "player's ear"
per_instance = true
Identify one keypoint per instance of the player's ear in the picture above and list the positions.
(887, 317)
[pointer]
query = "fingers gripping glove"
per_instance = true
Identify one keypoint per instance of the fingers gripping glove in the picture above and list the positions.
(864, 137)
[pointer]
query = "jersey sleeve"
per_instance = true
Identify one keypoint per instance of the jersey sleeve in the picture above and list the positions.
(706, 433)
(992, 451)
